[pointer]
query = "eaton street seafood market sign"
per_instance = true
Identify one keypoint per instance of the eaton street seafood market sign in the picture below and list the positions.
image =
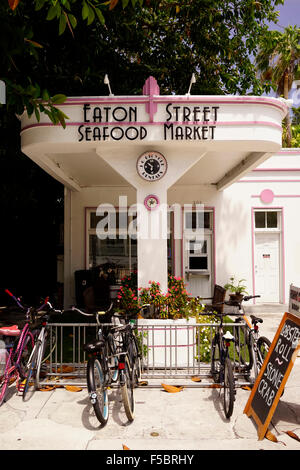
(123, 122)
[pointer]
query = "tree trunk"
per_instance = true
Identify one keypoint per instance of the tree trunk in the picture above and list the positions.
(287, 118)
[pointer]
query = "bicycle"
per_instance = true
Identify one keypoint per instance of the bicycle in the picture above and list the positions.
(221, 365)
(108, 364)
(131, 343)
(16, 346)
(38, 357)
(250, 343)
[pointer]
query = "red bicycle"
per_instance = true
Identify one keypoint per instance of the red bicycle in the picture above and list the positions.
(15, 347)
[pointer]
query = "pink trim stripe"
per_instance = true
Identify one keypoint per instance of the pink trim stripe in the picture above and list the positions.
(279, 195)
(189, 123)
(167, 328)
(288, 151)
(150, 346)
(268, 181)
(182, 99)
(276, 169)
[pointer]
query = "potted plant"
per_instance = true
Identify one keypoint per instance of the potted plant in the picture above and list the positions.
(237, 289)
(171, 322)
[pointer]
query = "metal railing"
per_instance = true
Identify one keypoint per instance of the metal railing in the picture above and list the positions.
(168, 352)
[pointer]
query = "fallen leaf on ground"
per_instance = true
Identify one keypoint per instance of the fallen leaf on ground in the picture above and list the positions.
(48, 388)
(172, 388)
(270, 436)
(196, 379)
(64, 369)
(72, 388)
(125, 447)
(246, 387)
(293, 435)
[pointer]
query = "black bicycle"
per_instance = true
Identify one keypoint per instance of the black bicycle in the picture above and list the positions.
(221, 365)
(131, 343)
(251, 348)
(108, 364)
(45, 343)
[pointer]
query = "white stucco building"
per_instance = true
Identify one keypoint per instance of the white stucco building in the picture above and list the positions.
(207, 170)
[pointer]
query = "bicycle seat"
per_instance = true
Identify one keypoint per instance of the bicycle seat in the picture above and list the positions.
(256, 319)
(94, 346)
(10, 330)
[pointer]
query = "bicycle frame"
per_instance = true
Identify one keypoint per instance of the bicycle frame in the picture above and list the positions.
(13, 366)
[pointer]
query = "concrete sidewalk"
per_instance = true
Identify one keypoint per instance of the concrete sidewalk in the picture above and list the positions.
(192, 419)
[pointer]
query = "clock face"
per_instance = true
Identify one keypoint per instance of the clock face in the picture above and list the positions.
(151, 166)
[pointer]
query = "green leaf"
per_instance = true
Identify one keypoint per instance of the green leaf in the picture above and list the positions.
(62, 23)
(100, 16)
(61, 117)
(39, 4)
(58, 99)
(45, 95)
(85, 11)
(37, 114)
(52, 13)
(91, 16)
(37, 91)
(72, 20)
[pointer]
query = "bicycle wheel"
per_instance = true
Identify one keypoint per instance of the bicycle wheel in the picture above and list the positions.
(228, 388)
(48, 343)
(4, 382)
(127, 391)
(135, 361)
(263, 346)
(30, 381)
(216, 359)
(242, 348)
(97, 389)
(27, 349)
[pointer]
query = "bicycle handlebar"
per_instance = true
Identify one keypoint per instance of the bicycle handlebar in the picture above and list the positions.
(249, 297)
(15, 299)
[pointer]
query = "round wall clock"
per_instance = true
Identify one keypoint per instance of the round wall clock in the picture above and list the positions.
(151, 166)
(151, 202)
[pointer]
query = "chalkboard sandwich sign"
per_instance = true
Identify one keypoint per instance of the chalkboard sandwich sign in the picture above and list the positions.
(274, 373)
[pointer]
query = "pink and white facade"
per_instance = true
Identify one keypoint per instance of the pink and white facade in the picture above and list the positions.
(203, 178)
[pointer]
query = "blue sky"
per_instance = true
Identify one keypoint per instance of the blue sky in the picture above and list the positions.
(289, 14)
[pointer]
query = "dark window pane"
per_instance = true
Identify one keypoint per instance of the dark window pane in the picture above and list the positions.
(260, 221)
(191, 220)
(272, 220)
(207, 220)
(198, 262)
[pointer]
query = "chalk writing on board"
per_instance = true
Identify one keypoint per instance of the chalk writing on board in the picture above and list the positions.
(275, 369)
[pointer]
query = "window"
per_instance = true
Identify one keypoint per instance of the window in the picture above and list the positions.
(198, 233)
(115, 247)
(266, 220)
(198, 254)
(197, 220)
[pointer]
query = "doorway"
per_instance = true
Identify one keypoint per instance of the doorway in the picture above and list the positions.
(198, 252)
(267, 256)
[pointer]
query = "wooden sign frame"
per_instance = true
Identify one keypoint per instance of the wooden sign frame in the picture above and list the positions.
(263, 423)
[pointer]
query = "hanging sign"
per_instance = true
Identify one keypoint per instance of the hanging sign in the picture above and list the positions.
(294, 302)
(274, 373)
(2, 92)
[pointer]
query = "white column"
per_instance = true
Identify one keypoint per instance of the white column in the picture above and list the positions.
(152, 239)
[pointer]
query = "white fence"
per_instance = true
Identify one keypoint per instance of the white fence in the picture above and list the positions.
(169, 350)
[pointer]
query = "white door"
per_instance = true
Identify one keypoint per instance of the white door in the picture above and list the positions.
(267, 267)
(197, 258)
